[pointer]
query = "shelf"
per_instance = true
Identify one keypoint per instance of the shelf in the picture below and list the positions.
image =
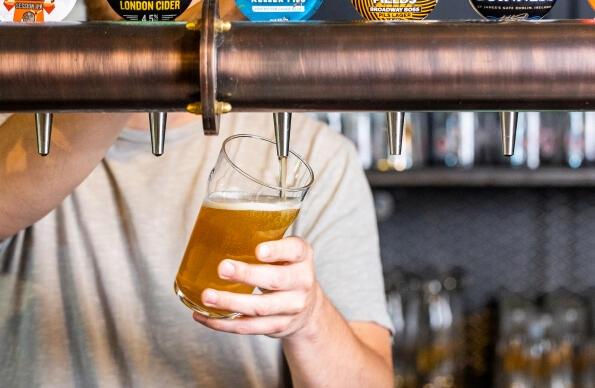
(484, 177)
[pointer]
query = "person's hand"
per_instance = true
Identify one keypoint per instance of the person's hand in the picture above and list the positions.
(291, 296)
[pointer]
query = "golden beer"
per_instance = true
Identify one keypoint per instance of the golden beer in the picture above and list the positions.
(229, 227)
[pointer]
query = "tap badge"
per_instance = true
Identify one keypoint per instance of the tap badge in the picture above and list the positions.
(149, 10)
(394, 9)
(278, 10)
(30, 11)
(513, 9)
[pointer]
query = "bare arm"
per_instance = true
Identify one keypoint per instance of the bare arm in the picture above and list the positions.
(322, 348)
(340, 354)
(31, 185)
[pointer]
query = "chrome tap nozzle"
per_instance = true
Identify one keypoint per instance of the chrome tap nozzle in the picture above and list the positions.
(396, 127)
(508, 123)
(157, 124)
(282, 132)
(43, 129)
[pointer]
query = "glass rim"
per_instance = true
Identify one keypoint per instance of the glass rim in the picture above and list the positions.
(304, 188)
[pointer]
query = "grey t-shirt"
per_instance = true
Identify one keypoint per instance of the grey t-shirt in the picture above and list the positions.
(86, 293)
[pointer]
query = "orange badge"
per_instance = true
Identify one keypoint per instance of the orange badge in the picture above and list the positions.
(49, 6)
(29, 11)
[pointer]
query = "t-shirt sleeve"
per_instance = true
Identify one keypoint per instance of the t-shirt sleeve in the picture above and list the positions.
(338, 220)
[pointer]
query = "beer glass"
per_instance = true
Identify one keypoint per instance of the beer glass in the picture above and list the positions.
(249, 201)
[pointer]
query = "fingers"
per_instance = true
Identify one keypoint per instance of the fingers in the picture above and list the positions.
(266, 276)
(271, 326)
(290, 249)
(278, 303)
(290, 291)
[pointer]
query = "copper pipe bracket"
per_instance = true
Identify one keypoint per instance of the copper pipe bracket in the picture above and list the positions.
(209, 107)
(220, 108)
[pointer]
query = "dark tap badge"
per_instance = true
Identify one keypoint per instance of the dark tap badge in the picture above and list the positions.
(31, 11)
(513, 9)
(394, 9)
(149, 10)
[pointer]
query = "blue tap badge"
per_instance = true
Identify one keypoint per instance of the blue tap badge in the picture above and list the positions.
(278, 10)
(513, 9)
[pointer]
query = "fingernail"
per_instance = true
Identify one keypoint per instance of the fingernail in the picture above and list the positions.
(264, 251)
(209, 297)
(226, 269)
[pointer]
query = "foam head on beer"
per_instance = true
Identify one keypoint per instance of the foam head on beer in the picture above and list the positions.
(229, 226)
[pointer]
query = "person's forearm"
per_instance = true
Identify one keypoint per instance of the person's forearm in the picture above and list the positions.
(31, 185)
(330, 355)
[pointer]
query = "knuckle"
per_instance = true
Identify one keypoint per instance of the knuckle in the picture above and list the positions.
(278, 327)
(243, 328)
(245, 272)
(292, 239)
(275, 284)
(213, 324)
(308, 282)
(292, 247)
(222, 299)
(300, 247)
(261, 310)
(278, 281)
(300, 304)
(228, 302)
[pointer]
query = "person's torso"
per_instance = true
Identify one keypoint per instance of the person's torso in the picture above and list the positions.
(90, 301)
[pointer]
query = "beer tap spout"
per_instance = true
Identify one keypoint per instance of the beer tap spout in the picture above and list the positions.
(396, 127)
(282, 132)
(43, 129)
(508, 124)
(157, 123)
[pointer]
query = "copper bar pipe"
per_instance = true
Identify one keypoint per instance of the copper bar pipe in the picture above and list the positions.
(426, 66)
(97, 67)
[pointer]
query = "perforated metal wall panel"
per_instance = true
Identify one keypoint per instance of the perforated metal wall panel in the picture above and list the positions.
(524, 240)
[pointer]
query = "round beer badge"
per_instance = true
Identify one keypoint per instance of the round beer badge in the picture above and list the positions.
(31, 11)
(278, 10)
(513, 9)
(394, 9)
(149, 10)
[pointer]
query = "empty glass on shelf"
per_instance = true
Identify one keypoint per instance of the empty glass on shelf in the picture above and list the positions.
(428, 316)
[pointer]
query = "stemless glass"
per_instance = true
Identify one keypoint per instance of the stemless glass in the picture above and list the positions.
(246, 204)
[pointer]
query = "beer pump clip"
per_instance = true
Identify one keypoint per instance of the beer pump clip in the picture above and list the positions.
(38, 11)
(152, 11)
(395, 10)
(511, 11)
(274, 11)
(29, 11)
